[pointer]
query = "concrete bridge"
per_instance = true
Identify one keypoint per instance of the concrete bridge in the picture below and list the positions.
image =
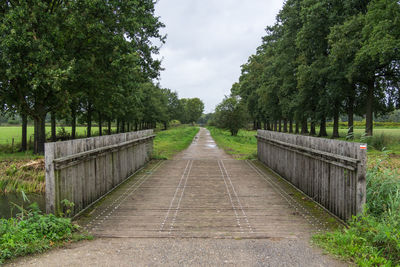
(202, 208)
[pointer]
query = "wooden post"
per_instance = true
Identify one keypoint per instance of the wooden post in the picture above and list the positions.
(50, 178)
(361, 191)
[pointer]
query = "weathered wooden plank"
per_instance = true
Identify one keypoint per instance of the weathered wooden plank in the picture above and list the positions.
(50, 178)
(331, 172)
(83, 170)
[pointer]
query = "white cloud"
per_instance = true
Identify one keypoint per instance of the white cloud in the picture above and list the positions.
(207, 42)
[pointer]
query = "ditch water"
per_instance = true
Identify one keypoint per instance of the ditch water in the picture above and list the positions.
(8, 209)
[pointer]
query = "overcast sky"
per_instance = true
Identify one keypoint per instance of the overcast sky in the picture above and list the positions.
(208, 41)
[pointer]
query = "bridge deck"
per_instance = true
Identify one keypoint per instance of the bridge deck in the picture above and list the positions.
(204, 193)
(201, 209)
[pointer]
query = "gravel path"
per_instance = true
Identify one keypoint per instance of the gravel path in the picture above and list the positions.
(202, 208)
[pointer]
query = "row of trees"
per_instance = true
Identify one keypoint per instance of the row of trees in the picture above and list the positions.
(88, 59)
(321, 59)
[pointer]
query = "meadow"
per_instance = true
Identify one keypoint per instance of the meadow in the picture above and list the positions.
(7, 133)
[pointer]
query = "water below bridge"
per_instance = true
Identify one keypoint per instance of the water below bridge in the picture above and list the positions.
(201, 208)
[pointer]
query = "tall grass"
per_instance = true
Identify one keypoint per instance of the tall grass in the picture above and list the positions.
(380, 141)
(16, 176)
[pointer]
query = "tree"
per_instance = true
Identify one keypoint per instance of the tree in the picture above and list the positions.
(32, 48)
(230, 114)
(86, 58)
(191, 109)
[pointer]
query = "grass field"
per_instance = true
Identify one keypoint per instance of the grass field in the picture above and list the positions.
(7, 133)
(168, 143)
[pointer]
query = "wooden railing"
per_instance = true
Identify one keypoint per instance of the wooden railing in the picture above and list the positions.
(331, 172)
(84, 170)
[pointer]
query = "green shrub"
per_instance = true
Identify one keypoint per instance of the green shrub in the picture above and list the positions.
(32, 232)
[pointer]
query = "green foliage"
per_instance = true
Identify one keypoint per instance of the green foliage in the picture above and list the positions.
(67, 208)
(231, 115)
(168, 143)
(372, 238)
(191, 109)
(241, 146)
(92, 59)
(323, 59)
(32, 233)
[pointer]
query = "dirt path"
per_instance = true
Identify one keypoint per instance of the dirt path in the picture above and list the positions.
(201, 208)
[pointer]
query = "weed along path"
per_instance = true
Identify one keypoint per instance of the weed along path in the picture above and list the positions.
(202, 208)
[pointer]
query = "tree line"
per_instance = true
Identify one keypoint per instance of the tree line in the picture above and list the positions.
(320, 60)
(90, 60)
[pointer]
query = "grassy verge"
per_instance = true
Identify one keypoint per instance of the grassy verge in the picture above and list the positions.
(168, 143)
(242, 146)
(33, 232)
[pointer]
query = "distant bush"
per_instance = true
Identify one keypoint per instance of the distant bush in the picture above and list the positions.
(63, 134)
(13, 122)
(379, 141)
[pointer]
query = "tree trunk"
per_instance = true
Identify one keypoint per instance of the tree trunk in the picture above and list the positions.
(122, 126)
(285, 130)
(100, 124)
(304, 127)
(24, 131)
(89, 123)
(335, 133)
(265, 125)
(297, 127)
(275, 126)
(350, 118)
(165, 125)
(40, 133)
(109, 127)
(53, 127)
(312, 128)
(73, 124)
(136, 126)
(322, 128)
(35, 135)
(117, 125)
(268, 125)
(369, 109)
(290, 126)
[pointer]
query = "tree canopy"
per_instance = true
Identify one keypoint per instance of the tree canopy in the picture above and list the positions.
(322, 59)
(85, 61)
